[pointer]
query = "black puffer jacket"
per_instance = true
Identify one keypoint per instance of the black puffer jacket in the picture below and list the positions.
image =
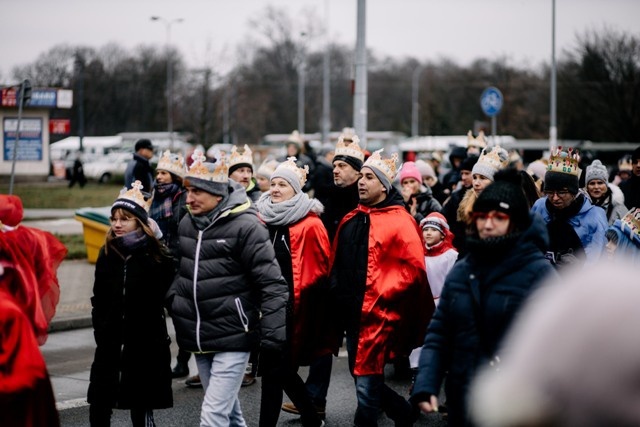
(229, 294)
(481, 296)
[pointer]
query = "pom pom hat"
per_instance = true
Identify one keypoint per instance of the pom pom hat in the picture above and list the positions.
(563, 172)
(435, 220)
(210, 177)
(290, 172)
(597, 170)
(172, 163)
(384, 169)
(133, 201)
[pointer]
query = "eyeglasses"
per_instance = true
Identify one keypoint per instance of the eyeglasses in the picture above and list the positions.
(561, 193)
(495, 216)
(123, 221)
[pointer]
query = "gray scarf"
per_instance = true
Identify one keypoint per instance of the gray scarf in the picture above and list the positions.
(289, 211)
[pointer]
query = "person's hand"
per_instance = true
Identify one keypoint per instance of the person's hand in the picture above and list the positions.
(413, 206)
(406, 193)
(429, 406)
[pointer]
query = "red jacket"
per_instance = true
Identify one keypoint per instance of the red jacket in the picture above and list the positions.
(397, 303)
(310, 264)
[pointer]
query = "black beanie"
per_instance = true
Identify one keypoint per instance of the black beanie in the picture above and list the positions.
(233, 168)
(505, 195)
(635, 155)
(557, 181)
(468, 163)
(350, 160)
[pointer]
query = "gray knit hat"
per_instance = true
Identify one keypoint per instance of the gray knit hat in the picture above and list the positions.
(597, 170)
(290, 172)
(490, 161)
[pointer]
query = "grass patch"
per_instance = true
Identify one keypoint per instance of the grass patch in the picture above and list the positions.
(56, 195)
(74, 244)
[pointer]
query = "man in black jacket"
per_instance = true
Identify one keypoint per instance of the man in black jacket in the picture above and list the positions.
(229, 295)
(631, 187)
(139, 168)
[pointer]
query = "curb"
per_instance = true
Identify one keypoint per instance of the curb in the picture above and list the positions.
(70, 323)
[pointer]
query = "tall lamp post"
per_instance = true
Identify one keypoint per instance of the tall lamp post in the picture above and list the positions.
(415, 104)
(301, 82)
(168, 23)
(553, 130)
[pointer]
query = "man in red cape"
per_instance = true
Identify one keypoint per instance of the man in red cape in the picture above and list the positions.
(382, 296)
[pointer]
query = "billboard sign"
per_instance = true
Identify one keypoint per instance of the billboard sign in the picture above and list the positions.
(59, 126)
(30, 145)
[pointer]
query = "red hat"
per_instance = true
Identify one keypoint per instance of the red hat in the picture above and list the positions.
(11, 211)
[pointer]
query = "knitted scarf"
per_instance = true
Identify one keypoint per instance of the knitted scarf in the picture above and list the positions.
(161, 207)
(289, 211)
(128, 243)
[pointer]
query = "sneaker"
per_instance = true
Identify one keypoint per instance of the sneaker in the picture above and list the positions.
(194, 382)
(247, 380)
(180, 370)
(290, 408)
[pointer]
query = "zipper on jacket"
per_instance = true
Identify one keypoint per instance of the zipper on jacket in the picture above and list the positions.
(195, 286)
(284, 241)
(243, 317)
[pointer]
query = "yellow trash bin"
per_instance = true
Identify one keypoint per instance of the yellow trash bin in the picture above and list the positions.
(95, 224)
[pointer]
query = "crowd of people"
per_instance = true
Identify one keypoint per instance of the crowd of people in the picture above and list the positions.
(265, 270)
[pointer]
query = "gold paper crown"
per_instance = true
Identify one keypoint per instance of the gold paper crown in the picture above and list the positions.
(135, 195)
(267, 167)
(237, 158)
(625, 164)
(291, 165)
(495, 157)
(296, 138)
(564, 161)
(350, 149)
(199, 169)
(173, 163)
(480, 141)
(386, 166)
(631, 224)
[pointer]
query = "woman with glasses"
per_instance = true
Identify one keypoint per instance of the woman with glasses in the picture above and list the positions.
(482, 294)
(576, 227)
(132, 364)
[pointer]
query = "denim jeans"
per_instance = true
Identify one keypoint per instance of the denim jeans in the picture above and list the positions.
(374, 395)
(221, 375)
(318, 379)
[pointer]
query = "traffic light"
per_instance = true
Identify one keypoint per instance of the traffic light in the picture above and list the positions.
(25, 92)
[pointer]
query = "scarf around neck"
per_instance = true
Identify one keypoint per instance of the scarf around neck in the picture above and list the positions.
(128, 243)
(289, 211)
(162, 205)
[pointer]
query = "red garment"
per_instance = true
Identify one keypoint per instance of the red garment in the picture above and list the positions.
(310, 250)
(26, 396)
(35, 255)
(394, 317)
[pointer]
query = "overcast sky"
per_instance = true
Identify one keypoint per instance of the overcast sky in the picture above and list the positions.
(427, 30)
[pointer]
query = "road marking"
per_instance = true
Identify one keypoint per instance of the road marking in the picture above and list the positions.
(73, 403)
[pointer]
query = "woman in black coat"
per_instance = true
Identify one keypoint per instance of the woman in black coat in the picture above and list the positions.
(132, 364)
(481, 295)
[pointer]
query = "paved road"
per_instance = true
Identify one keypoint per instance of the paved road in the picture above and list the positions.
(69, 355)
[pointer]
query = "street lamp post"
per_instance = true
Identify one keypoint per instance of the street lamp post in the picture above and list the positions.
(169, 93)
(301, 83)
(415, 104)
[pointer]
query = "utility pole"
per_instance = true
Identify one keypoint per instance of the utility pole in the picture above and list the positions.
(169, 94)
(553, 130)
(301, 82)
(80, 83)
(325, 124)
(24, 95)
(415, 104)
(360, 92)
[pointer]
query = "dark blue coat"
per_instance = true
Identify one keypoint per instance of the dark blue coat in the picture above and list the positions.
(480, 299)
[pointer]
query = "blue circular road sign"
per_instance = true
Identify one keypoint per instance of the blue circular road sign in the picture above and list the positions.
(491, 101)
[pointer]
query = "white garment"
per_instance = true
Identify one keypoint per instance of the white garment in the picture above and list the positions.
(437, 269)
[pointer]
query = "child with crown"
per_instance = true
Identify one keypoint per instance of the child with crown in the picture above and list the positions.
(299, 239)
(133, 273)
(576, 227)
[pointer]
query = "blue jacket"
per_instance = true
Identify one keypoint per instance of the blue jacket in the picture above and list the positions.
(590, 224)
(482, 294)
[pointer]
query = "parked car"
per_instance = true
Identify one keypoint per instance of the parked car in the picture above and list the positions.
(109, 168)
